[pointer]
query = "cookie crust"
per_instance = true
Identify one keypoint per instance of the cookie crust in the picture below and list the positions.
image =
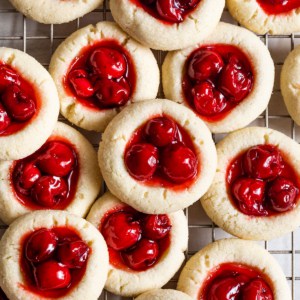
(145, 64)
(262, 65)
(165, 294)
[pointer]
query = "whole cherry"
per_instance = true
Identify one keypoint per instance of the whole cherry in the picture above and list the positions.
(256, 289)
(7, 77)
(156, 227)
(81, 84)
(4, 119)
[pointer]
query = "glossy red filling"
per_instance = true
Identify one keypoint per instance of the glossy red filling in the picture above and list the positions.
(232, 281)
(136, 241)
(278, 7)
(47, 178)
(18, 101)
(261, 182)
(53, 261)
(161, 153)
(102, 76)
(216, 79)
(168, 11)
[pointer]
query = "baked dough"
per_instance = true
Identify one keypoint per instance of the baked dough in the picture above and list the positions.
(146, 68)
(157, 35)
(88, 186)
(290, 84)
(55, 11)
(237, 251)
(262, 65)
(250, 14)
(164, 295)
(154, 200)
(129, 284)
(11, 278)
(24, 142)
(217, 204)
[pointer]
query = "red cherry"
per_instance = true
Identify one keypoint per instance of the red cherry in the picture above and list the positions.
(41, 245)
(257, 289)
(205, 64)
(263, 161)
(81, 84)
(73, 254)
(179, 163)
(52, 275)
(169, 10)
(250, 195)
(160, 131)
(4, 119)
(282, 194)
(7, 77)
(57, 159)
(141, 161)
(235, 81)
(48, 191)
(19, 106)
(156, 227)
(207, 100)
(108, 63)
(112, 93)
(143, 256)
(121, 231)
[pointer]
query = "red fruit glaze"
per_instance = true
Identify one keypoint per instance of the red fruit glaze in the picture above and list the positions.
(102, 76)
(232, 281)
(278, 7)
(217, 77)
(260, 182)
(156, 227)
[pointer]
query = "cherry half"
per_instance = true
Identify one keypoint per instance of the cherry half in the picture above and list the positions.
(81, 83)
(156, 227)
(7, 77)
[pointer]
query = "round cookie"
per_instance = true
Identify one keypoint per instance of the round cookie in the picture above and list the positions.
(21, 181)
(57, 225)
(233, 76)
(289, 82)
(265, 16)
(166, 294)
(122, 278)
(101, 54)
(153, 192)
(29, 104)
(210, 260)
(55, 11)
(164, 34)
(255, 192)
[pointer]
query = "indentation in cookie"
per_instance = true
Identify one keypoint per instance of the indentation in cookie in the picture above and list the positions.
(278, 7)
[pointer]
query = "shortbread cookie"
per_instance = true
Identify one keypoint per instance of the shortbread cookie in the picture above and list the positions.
(52, 255)
(145, 250)
(29, 104)
(157, 156)
(63, 174)
(55, 11)
(163, 295)
(234, 267)
(98, 70)
(255, 193)
(267, 16)
(227, 79)
(290, 84)
(167, 25)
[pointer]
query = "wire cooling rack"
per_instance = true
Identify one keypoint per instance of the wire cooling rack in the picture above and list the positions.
(40, 41)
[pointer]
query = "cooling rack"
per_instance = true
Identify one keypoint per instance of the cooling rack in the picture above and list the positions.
(40, 41)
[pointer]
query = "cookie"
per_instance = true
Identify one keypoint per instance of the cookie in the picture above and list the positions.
(255, 193)
(98, 70)
(29, 104)
(63, 174)
(167, 25)
(145, 250)
(52, 254)
(157, 156)
(227, 78)
(239, 267)
(163, 295)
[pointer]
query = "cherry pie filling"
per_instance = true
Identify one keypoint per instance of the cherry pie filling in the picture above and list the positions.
(216, 79)
(161, 153)
(102, 76)
(233, 281)
(261, 182)
(48, 178)
(136, 241)
(18, 101)
(53, 261)
(278, 7)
